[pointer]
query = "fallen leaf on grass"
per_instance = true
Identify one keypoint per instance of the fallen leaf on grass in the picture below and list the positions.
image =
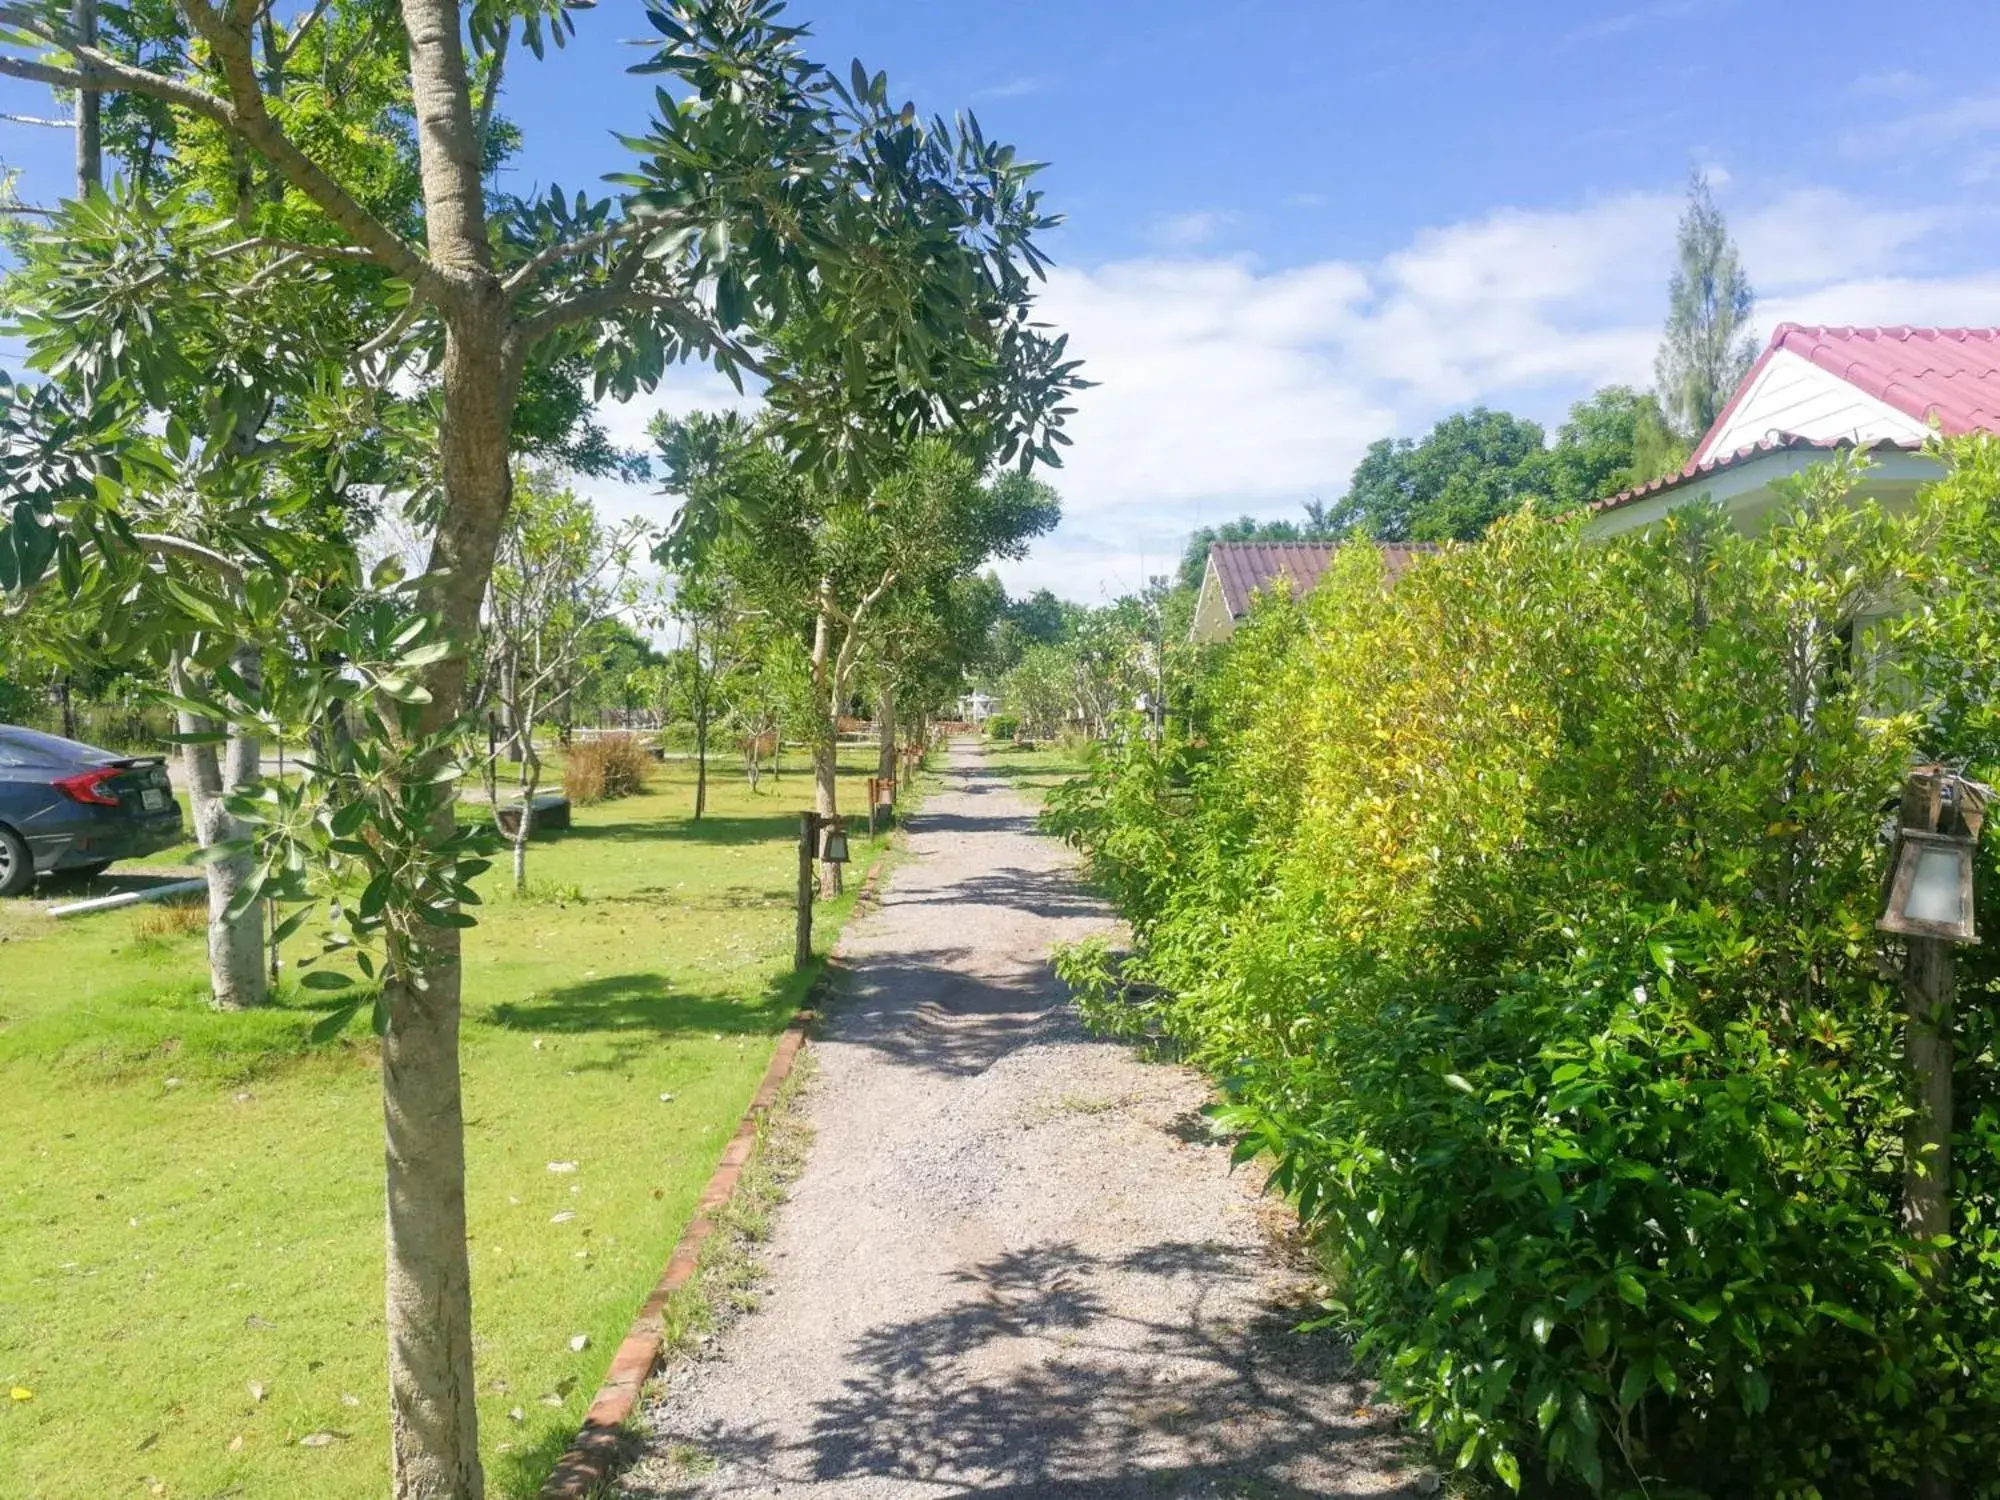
(236, 1443)
(258, 1390)
(580, 1343)
(21, 1393)
(321, 1439)
(562, 1218)
(562, 1166)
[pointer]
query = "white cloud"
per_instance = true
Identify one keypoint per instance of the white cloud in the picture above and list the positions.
(1013, 88)
(1966, 127)
(1191, 230)
(1817, 235)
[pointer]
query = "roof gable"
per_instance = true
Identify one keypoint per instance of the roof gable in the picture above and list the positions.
(1902, 378)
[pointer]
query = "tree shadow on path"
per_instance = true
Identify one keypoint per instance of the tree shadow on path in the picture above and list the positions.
(1056, 1372)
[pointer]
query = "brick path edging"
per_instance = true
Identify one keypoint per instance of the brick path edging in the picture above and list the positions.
(593, 1457)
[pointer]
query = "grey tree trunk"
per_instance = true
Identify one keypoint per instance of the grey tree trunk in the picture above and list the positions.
(885, 731)
(236, 975)
(89, 119)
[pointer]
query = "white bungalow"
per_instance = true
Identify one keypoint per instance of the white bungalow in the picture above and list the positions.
(1817, 390)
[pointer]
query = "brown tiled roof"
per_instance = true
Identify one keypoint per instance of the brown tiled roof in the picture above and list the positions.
(1242, 568)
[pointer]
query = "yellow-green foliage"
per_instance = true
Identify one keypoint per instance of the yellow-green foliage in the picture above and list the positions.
(1526, 909)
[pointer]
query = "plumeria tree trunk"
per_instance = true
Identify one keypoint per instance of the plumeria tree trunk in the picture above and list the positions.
(434, 1427)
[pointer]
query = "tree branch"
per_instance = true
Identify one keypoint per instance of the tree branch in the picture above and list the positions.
(187, 551)
(299, 32)
(611, 297)
(492, 94)
(519, 278)
(246, 115)
(38, 120)
(300, 248)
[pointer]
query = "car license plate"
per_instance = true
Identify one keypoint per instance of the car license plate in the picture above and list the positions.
(153, 799)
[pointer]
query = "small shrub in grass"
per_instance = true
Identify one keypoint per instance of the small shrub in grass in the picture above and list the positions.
(1003, 726)
(161, 922)
(606, 768)
(1526, 911)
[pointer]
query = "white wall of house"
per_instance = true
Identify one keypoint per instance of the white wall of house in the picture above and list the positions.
(1747, 489)
(1212, 619)
(1793, 397)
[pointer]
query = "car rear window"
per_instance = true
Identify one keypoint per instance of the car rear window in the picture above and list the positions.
(30, 747)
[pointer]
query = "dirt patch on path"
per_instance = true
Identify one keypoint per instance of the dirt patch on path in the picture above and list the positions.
(1008, 1269)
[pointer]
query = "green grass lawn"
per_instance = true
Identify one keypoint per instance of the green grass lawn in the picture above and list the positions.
(1033, 772)
(191, 1210)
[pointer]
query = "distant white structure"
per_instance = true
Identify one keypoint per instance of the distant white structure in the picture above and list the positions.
(976, 708)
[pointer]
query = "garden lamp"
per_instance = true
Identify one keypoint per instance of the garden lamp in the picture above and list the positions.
(1931, 894)
(833, 848)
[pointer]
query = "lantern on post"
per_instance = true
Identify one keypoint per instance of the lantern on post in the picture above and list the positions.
(833, 844)
(1930, 892)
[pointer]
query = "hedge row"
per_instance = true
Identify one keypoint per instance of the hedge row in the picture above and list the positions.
(1526, 911)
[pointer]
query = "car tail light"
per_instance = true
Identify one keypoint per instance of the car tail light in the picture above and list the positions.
(89, 787)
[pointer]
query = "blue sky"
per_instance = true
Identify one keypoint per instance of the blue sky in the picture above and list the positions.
(1297, 227)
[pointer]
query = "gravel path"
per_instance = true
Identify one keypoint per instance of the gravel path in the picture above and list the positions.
(1013, 1266)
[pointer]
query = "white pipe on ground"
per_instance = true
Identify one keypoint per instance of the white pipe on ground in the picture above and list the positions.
(129, 898)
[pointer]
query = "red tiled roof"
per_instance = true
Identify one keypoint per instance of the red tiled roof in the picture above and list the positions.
(1242, 568)
(1951, 374)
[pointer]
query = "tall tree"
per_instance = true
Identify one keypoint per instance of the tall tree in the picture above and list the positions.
(1470, 469)
(767, 195)
(1708, 346)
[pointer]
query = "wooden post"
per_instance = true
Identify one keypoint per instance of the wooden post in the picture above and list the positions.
(874, 800)
(1929, 989)
(802, 950)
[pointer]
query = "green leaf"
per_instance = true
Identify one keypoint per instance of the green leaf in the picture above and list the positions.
(1547, 1412)
(247, 894)
(1459, 1083)
(326, 979)
(334, 1022)
(1630, 1288)
(376, 896)
(1507, 1467)
(1632, 1385)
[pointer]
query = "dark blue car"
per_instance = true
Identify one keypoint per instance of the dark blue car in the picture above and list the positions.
(66, 806)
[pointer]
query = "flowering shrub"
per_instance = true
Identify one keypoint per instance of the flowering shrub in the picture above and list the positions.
(1526, 912)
